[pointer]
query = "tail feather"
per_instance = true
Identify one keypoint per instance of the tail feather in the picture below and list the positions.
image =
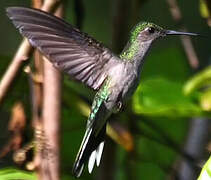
(95, 157)
(99, 153)
(91, 150)
(91, 161)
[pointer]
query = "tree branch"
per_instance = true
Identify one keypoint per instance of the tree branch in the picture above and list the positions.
(51, 116)
(186, 40)
(22, 54)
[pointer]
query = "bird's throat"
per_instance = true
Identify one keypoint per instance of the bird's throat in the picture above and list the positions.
(135, 52)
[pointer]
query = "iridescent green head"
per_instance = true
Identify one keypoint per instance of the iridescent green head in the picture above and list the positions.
(142, 36)
(147, 31)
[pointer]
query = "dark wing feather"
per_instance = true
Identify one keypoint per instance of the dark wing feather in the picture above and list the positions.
(66, 47)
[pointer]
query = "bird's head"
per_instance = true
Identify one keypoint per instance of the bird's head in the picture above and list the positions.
(148, 32)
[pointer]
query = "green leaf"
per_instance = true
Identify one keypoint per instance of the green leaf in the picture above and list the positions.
(161, 97)
(204, 11)
(205, 100)
(206, 171)
(16, 174)
(150, 171)
(200, 80)
(170, 63)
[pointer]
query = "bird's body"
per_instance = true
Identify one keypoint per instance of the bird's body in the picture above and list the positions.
(121, 81)
(114, 77)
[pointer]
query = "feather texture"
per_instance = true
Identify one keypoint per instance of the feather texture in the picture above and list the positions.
(70, 50)
(93, 142)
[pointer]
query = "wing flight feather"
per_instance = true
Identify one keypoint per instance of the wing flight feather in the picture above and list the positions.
(70, 50)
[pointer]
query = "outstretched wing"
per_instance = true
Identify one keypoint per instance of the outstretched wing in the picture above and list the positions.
(66, 47)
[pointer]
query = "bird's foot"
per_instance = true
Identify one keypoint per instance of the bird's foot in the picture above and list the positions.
(118, 107)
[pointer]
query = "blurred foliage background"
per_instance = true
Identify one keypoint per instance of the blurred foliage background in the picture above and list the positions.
(164, 131)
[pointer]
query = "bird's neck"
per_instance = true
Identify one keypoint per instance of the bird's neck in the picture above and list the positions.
(135, 52)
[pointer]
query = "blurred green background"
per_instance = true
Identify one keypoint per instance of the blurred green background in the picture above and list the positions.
(160, 114)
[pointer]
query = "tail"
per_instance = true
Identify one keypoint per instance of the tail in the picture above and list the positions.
(91, 150)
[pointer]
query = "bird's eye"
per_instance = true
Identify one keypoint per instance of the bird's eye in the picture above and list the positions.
(151, 30)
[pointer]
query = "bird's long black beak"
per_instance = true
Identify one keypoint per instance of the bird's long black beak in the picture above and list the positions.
(171, 32)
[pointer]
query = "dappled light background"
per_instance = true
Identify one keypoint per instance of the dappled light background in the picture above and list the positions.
(161, 133)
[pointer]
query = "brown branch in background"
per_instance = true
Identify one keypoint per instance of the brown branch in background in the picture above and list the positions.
(186, 41)
(16, 126)
(51, 116)
(50, 5)
(196, 136)
(36, 80)
(45, 90)
(36, 84)
(52, 99)
(189, 50)
(36, 94)
(22, 54)
(120, 135)
(37, 4)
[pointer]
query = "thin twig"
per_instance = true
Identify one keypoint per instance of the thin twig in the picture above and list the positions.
(36, 83)
(16, 125)
(22, 54)
(36, 89)
(46, 97)
(50, 5)
(37, 4)
(198, 127)
(186, 40)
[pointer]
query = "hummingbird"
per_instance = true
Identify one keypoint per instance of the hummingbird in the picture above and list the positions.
(114, 77)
